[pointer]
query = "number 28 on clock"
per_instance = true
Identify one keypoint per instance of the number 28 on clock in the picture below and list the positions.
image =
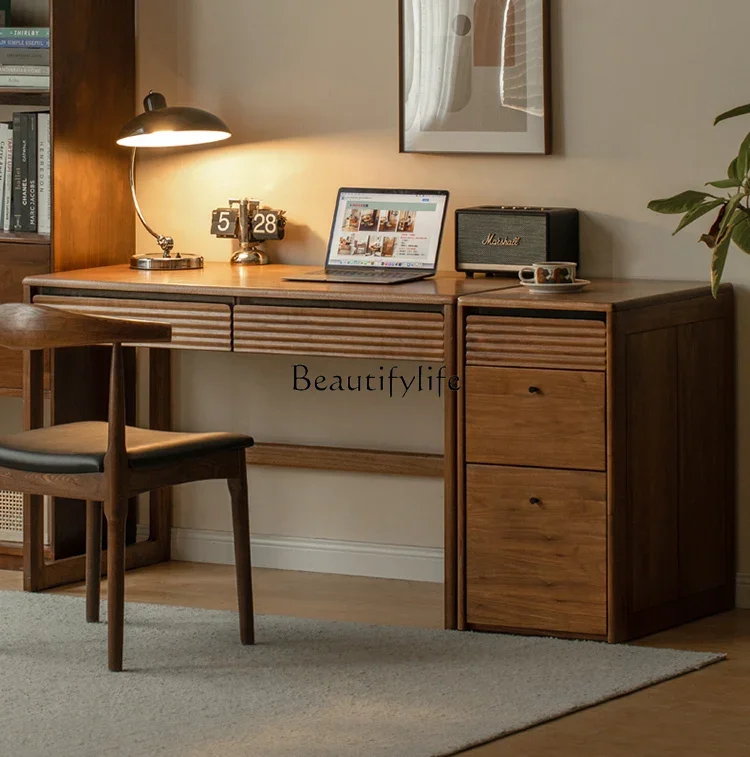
(264, 224)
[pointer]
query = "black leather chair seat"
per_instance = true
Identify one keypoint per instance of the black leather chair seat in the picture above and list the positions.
(80, 447)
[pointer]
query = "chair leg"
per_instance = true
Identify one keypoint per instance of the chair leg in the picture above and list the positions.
(93, 560)
(243, 567)
(116, 587)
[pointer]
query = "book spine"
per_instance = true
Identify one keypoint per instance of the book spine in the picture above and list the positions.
(4, 133)
(33, 169)
(23, 211)
(32, 82)
(25, 42)
(24, 70)
(21, 56)
(24, 32)
(17, 172)
(44, 194)
(8, 184)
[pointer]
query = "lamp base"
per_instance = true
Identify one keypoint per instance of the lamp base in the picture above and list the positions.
(160, 262)
(251, 256)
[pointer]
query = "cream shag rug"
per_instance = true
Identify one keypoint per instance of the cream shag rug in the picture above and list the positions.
(308, 688)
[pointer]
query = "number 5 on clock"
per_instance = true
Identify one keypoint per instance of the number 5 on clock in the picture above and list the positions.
(224, 222)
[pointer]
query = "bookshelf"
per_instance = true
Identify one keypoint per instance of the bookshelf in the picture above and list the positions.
(92, 93)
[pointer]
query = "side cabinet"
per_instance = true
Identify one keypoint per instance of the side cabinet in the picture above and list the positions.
(596, 461)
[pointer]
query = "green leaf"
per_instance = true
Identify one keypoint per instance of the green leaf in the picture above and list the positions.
(743, 110)
(717, 265)
(680, 203)
(696, 213)
(725, 184)
(732, 172)
(731, 218)
(743, 159)
(741, 235)
(710, 238)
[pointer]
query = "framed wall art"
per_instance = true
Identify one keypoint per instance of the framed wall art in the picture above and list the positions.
(475, 76)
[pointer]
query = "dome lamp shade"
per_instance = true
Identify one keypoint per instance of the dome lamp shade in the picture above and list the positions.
(161, 126)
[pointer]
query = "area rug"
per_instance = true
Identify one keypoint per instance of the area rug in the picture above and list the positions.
(307, 688)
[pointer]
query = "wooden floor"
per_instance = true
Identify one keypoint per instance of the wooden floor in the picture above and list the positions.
(699, 715)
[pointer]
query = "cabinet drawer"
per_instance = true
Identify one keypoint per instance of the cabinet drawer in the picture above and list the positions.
(568, 343)
(195, 325)
(536, 549)
(16, 262)
(544, 418)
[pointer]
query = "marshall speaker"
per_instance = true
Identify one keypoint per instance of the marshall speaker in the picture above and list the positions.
(501, 239)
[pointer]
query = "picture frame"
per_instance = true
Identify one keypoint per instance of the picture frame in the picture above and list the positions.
(475, 76)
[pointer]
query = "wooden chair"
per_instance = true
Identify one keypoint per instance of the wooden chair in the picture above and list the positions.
(109, 463)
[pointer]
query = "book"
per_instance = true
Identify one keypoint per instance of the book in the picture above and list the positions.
(17, 173)
(24, 56)
(8, 182)
(28, 82)
(24, 31)
(44, 192)
(24, 70)
(24, 42)
(31, 217)
(4, 139)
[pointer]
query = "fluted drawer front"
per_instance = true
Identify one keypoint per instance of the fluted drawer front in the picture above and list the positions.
(338, 332)
(195, 325)
(536, 343)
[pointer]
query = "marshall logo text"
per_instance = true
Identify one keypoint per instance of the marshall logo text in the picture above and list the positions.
(495, 241)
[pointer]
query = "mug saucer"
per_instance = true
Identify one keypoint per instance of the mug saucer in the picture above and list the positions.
(576, 286)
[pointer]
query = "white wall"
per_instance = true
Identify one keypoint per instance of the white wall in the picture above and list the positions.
(636, 87)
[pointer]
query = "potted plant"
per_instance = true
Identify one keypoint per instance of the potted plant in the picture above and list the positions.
(732, 223)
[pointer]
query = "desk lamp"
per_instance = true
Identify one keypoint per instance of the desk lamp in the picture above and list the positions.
(160, 126)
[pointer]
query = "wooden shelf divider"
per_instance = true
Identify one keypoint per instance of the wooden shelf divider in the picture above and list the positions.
(25, 96)
(24, 237)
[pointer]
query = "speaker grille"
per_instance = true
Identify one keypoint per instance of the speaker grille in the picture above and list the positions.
(474, 228)
(11, 516)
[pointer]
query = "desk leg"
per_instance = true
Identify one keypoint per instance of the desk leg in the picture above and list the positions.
(33, 505)
(160, 418)
(450, 600)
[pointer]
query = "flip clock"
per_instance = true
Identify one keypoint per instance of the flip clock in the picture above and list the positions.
(247, 221)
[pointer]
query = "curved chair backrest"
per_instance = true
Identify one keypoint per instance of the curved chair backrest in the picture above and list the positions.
(36, 327)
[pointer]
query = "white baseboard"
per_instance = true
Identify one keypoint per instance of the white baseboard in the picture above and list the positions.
(312, 555)
(743, 590)
(330, 556)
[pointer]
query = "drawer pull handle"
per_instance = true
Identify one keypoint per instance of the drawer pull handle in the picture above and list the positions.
(534, 390)
(535, 501)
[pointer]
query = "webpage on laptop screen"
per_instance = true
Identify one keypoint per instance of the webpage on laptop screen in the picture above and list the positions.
(387, 230)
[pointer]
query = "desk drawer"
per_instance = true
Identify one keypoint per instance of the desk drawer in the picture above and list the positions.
(195, 325)
(538, 418)
(536, 549)
(573, 344)
(403, 335)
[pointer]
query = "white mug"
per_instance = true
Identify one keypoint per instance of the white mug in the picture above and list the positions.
(549, 273)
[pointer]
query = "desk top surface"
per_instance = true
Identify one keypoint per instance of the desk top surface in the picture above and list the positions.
(226, 280)
(600, 295)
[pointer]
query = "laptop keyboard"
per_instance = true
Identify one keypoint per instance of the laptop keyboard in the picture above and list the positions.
(374, 274)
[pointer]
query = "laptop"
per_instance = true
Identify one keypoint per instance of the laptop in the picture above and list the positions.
(383, 236)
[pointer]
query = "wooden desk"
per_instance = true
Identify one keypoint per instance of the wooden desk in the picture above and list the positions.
(242, 309)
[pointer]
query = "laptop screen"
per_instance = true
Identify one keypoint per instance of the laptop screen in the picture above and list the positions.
(387, 228)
